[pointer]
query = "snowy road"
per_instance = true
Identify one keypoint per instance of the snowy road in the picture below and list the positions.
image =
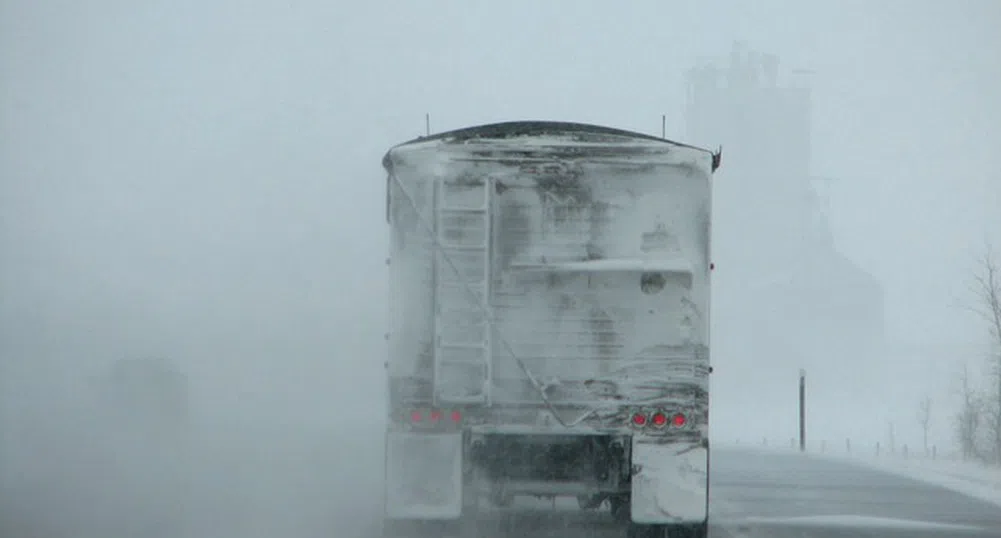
(256, 484)
(774, 494)
(768, 494)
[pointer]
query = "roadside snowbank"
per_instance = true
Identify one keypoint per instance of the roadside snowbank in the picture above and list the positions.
(969, 478)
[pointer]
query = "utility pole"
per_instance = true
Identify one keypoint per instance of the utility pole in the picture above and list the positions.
(802, 410)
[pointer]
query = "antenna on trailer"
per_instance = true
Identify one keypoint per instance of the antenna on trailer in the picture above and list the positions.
(663, 125)
(427, 124)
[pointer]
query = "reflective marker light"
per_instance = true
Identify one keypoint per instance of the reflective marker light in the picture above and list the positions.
(679, 420)
(659, 419)
(434, 417)
(639, 419)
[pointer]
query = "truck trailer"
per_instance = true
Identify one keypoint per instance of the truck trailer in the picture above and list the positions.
(549, 290)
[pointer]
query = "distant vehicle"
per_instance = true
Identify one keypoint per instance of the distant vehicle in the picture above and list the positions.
(549, 299)
(146, 393)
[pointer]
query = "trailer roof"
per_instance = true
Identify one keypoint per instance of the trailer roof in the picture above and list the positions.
(511, 129)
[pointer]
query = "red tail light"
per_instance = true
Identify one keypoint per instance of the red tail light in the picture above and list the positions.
(659, 419)
(639, 419)
(679, 420)
(434, 416)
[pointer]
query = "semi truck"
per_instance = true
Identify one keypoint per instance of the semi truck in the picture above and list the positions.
(549, 292)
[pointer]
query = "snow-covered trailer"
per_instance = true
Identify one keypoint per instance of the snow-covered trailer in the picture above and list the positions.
(549, 323)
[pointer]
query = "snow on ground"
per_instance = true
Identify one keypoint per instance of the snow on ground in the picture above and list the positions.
(969, 478)
(828, 522)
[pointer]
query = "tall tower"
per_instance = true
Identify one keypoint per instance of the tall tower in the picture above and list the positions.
(784, 297)
(764, 128)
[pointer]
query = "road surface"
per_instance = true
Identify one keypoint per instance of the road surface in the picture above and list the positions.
(760, 494)
(266, 483)
(772, 494)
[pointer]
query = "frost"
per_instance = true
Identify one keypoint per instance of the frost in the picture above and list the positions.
(671, 482)
(598, 252)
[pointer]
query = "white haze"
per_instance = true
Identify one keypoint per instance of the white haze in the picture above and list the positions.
(201, 181)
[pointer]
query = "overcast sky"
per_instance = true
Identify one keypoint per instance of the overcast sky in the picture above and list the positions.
(202, 179)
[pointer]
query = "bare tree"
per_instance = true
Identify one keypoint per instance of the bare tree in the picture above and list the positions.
(968, 421)
(987, 287)
(924, 418)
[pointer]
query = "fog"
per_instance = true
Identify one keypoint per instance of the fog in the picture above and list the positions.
(202, 181)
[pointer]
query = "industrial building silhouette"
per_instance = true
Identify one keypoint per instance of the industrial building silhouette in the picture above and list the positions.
(784, 297)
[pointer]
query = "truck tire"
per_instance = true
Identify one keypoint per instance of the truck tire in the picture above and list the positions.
(700, 530)
(590, 502)
(619, 505)
(639, 530)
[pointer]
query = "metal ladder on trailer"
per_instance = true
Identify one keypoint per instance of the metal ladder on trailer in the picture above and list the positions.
(462, 349)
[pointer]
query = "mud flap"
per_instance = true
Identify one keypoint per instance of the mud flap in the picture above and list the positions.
(670, 482)
(423, 476)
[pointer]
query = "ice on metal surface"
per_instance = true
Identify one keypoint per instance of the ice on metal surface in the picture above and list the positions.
(598, 266)
(423, 476)
(670, 482)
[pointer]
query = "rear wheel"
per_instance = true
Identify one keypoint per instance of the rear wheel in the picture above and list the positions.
(590, 502)
(700, 530)
(638, 530)
(620, 507)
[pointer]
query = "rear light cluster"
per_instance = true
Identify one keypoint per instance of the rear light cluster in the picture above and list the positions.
(658, 419)
(435, 416)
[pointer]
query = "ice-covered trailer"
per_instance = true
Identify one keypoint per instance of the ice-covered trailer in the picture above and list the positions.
(549, 333)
